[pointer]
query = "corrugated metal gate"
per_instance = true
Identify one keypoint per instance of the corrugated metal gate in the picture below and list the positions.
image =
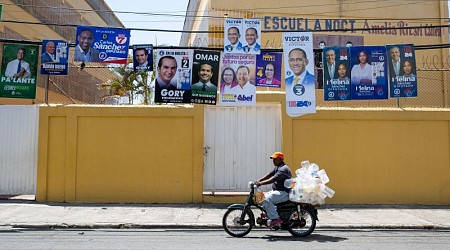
(238, 143)
(18, 149)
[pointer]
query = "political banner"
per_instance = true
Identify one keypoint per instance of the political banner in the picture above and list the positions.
(19, 71)
(205, 77)
(402, 70)
(299, 73)
(252, 32)
(232, 35)
(369, 72)
(336, 75)
(105, 45)
(143, 57)
(237, 86)
(173, 80)
(268, 70)
(54, 57)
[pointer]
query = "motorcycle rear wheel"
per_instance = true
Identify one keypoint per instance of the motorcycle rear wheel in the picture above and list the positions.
(230, 222)
(303, 225)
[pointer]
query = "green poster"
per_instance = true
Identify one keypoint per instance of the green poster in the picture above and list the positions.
(18, 76)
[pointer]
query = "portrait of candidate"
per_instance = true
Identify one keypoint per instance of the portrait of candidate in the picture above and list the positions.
(83, 50)
(251, 36)
(395, 68)
(205, 74)
(297, 63)
(342, 73)
(167, 67)
(141, 56)
(49, 54)
(233, 37)
(331, 65)
(18, 67)
(269, 74)
(228, 81)
(362, 72)
(244, 86)
(408, 68)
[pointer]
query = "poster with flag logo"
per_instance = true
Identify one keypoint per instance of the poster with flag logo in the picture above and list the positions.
(98, 44)
(402, 70)
(19, 71)
(299, 73)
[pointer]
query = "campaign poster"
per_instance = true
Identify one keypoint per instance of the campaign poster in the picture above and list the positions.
(205, 77)
(54, 57)
(268, 70)
(336, 73)
(98, 44)
(19, 71)
(237, 84)
(232, 35)
(299, 73)
(143, 57)
(369, 72)
(252, 35)
(402, 70)
(173, 76)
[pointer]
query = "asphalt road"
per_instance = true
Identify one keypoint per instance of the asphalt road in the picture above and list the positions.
(13, 238)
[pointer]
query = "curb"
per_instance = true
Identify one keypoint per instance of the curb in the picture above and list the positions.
(212, 226)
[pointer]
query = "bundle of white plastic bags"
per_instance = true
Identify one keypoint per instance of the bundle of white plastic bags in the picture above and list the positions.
(309, 185)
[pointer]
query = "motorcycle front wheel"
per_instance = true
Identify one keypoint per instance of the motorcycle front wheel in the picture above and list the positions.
(231, 222)
(303, 224)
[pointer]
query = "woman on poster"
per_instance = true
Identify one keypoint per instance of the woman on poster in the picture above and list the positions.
(362, 72)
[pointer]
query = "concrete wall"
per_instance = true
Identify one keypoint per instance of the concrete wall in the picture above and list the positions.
(154, 154)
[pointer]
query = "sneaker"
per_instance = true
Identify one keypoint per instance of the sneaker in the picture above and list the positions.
(275, 222)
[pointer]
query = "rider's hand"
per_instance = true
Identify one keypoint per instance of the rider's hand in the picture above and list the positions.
(257, 183)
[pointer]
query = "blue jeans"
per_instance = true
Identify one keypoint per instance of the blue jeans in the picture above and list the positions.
(274, 197)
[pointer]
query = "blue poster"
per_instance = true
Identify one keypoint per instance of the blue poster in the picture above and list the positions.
(268, 70)
(106, 45)
(54, 57)
(143, 57)
(369, 73)
(336, 73)
(402, 70)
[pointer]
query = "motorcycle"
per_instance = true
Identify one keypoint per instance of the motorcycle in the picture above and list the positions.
(298, 218)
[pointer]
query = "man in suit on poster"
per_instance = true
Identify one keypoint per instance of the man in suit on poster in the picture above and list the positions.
(297, 63)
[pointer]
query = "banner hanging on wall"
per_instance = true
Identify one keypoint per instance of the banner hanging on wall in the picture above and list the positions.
(54, 57)
(369, 72)
(268, 70)
(98, 44)
(299, 73)
(19, 71)
(336, 73)
(402, 70)
(205, 77)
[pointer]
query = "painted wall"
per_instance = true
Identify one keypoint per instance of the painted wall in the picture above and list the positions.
(154, 154)
(120, 154)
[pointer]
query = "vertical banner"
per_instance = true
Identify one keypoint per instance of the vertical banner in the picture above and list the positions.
(54, 57)
(268, 70)
(19, 71)
(369, 72)
(252, 29)
(106, 45)
(299, 73)
(336, 76)
(238, 80)
(143, 57)
(402, 70)
(205, 77)
(173, 79)
(232, 35)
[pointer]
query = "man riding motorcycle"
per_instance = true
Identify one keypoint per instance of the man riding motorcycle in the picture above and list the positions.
(279, 192)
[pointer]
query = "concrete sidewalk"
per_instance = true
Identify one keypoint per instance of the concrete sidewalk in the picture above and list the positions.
(24, 213)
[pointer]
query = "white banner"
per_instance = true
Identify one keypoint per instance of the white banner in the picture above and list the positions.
(299, 73)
